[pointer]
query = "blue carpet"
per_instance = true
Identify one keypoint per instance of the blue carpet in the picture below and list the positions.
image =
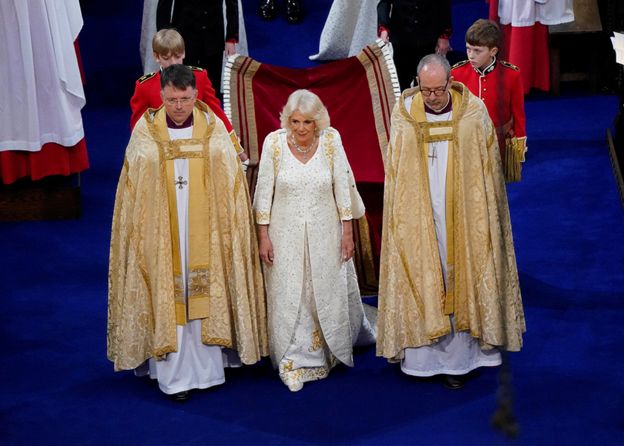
(59, 388)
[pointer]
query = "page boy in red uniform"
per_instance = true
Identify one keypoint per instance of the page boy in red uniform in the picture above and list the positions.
(168, 49)
(499, 85)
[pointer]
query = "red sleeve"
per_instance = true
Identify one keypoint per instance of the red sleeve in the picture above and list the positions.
(517, 106)
(207, 94)
(138, 104)
(457, 74)
(446, 34)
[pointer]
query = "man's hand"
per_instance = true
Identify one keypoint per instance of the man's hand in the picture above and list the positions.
(383, 35)
(230, 48)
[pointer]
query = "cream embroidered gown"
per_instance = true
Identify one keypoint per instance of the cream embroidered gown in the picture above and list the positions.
(315, 312)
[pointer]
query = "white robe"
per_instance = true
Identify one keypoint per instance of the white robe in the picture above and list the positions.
(314, 308)
(456, 353)
(194, 365)
(350, 26)
(43, 96)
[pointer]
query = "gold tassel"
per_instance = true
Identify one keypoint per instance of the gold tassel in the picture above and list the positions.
(514, 155)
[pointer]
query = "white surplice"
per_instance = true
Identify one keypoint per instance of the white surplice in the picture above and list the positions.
(40, 65)
(456, 353)
(315, 312)
(528, 12)
(194, 365)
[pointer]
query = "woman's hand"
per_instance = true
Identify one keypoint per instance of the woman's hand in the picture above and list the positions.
(266, 251)
(347, 246)
(264, 245)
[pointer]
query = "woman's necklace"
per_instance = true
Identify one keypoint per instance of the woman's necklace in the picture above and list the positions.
(300, 149)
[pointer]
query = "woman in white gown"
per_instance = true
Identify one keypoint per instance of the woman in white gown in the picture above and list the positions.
(304, 215)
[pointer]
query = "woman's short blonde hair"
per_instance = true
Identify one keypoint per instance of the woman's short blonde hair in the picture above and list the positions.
(309, 105)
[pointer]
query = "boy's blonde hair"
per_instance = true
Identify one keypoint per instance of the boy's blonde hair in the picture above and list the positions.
(168, 41)
(484, 33)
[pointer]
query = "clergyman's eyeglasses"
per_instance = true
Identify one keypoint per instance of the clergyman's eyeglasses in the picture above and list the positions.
(181, 101)
(435, 91)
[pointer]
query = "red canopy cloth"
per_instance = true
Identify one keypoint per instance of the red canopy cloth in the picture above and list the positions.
(359, 93)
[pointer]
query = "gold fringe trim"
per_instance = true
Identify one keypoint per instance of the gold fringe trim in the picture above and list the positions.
(514, 156)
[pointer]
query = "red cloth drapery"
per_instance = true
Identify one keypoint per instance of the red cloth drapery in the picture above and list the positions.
(358, 92)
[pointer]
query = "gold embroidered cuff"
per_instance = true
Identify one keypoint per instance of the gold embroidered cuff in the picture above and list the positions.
(262, 218)
(345, 213)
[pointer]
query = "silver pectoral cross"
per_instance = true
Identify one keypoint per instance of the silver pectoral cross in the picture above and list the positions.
(181, 182)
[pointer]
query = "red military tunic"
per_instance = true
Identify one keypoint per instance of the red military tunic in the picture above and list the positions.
(499, 86)
(147, 95)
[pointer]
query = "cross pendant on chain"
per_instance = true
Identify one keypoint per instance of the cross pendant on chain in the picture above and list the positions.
(181, 182)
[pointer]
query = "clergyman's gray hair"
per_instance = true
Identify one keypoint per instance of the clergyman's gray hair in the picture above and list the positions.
(434, 59)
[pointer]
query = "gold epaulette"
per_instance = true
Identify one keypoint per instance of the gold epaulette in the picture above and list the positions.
(460, 64)
(146, 77)
(509, 65)
(195, 68)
